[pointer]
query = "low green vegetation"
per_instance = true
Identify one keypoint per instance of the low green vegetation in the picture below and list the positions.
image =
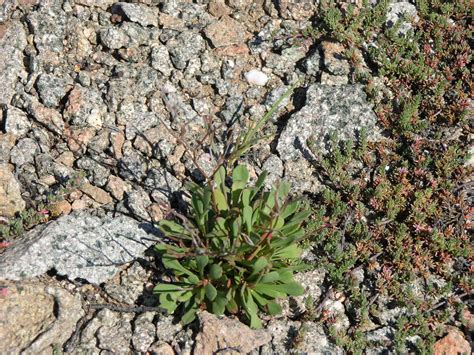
(399, 207)
(237, 250)
(42, 210)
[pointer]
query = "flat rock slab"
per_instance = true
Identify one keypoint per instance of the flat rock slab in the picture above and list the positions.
(342, 110)
(35, 317)
(79, 245)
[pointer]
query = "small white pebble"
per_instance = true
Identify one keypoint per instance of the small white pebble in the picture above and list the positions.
(256, 77)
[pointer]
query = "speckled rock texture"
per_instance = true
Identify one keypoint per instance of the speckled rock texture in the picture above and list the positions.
(78, 245)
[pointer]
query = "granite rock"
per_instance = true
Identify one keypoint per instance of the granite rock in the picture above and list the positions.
(24, 151)
(401, 11)
(225, 32)
(11, 201)
(139, 13)
(85, 107)
(217, 333)
(35, 317)
(342, 110)
(52, 89)
(78, 245)
(12, 43)
(16, 121)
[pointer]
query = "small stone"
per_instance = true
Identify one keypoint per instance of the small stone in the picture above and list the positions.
(75, 195)
(395, 13)
(163, 183)
(113, 336)
(156, 212)
(117, 139)
(16, 121)
(52, 89)
(79, 138)
(161, 348)
(128, 35)
(97, 172)
(186, 46)
(226, 32)
(78, 205)
(218, 8)
(256, 77)
(334, 60)
(85, 107)
(48, 180)
(133, 165)
(11, 201)
(160, 60)
(217, 333)
(96, 193)
(24, 151)
(139, 13)
(7, 141)
(117, 187)
(138, 201)
(166, 329)
(60, 208)
(50, 118)
(67, 158)
(144, 332)
(333, 80)
(171, 22)
(453, 343)
(312, 63)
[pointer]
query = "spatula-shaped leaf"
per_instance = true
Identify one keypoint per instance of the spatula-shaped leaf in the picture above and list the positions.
(211, 292)
(215, 271)
(290, 252)
(270, 277)
(273, 308)
(173, 264)
(252, 311)
(202, 261)
(240, 176)
(220, 200)
(167, 288)
(218, 305)
(259, 265)
(290, 288)
(247, 217)
(190, 314)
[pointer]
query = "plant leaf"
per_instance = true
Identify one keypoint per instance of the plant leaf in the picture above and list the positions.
(270, 277)
(247, 217)
(202, 261)
(215, 272)
(259, 265)
(290, 252)
(167, 288)
(274, 308)
(219, 304)
(220, 200)
(190, 315)
(211, 292)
